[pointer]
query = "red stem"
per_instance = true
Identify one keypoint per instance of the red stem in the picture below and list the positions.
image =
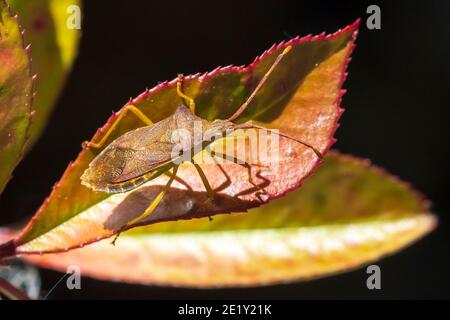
(7, 249)
(11, 292)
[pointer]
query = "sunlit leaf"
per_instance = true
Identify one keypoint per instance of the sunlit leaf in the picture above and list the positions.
(347, 214)
(301, 98)
(53, 50)
(15, 94)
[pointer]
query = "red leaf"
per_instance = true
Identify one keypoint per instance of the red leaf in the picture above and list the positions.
(301, 98)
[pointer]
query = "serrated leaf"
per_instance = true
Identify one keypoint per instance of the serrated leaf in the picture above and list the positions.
(347, 214)
(53, 49)
(15, 94)
(303, 94)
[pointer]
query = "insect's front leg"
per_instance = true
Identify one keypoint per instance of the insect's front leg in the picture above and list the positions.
(122, 114)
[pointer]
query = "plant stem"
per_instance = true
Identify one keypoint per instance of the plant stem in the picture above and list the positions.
(12, 292)
(7, 249)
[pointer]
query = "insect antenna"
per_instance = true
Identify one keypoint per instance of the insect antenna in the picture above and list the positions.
(254, 126)
(260, 84)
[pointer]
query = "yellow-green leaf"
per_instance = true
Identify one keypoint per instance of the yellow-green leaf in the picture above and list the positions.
(53, 50)
(347, 214)
(15, 94)
(301, 98)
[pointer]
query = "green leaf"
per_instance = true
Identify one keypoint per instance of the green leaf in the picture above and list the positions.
(53, 49)
(348, 214)
(15, 94)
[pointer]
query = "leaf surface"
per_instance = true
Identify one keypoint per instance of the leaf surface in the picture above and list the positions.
(301, 98)
(347, 214)
(15, 94)
(53, 49)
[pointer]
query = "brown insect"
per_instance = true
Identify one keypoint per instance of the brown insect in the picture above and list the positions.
(145, 153)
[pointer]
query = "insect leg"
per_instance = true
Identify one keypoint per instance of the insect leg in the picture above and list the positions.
(152, 205)
(213, 153)
(243, 163)
(182, 95)
(179, 180)
(225, 184)
(157, 200)
(122, 114)
(205, 181)
(260, 84)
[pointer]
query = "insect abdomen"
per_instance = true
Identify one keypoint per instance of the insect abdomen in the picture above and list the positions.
(126, 185)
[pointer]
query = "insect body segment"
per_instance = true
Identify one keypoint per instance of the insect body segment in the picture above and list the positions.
(147, 152)
(128, 185)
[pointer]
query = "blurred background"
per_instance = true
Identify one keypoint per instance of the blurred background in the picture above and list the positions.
(397, 113)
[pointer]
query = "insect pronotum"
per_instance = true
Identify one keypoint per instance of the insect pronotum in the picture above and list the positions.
(145, 153)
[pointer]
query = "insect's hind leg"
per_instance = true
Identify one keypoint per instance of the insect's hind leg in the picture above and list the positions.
(184, 96)
(152, 205)
(122, 114)
(205, 181)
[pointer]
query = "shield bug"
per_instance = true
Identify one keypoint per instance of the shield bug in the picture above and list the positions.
(145, 153)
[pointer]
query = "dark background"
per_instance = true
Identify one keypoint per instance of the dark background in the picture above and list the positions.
(396, 113)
